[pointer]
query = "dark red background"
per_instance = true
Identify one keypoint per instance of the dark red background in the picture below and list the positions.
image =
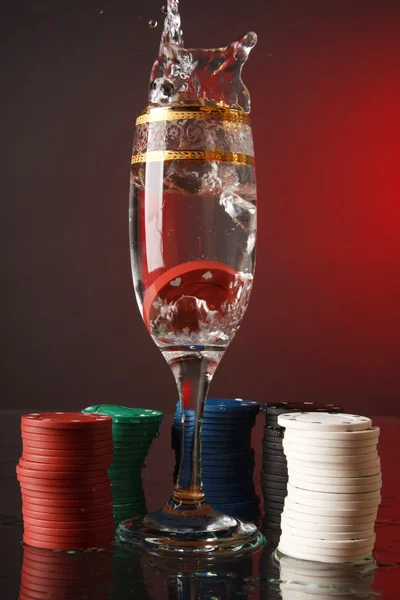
(324, 319)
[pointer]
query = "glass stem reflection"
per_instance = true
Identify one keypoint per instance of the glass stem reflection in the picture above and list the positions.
(193, 371)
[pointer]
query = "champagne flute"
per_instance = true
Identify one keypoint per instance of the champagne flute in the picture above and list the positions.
(192, 234)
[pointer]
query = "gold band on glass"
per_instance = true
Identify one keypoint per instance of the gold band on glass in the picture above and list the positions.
(198, 113)
(164, 155)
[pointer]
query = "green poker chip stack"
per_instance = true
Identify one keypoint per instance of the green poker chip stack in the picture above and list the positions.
(134, 430)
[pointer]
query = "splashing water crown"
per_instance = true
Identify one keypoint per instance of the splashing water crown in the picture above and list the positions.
(187, 76)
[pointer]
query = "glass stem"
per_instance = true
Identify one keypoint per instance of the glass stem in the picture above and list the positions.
(193, 373)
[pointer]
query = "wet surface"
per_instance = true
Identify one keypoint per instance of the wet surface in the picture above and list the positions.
(119, 573)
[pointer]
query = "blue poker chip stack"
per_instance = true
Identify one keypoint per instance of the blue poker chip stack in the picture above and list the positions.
(227, 455)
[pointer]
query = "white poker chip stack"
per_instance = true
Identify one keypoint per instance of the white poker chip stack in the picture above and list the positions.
(333, 489)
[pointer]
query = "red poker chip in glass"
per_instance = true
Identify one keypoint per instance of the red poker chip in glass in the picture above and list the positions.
(207, 280)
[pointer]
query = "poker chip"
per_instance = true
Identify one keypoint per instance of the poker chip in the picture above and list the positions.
(277, 496)
(273, 433)
(311, 516)
(60, 476)
(273, 446)
(328, 469)
(314, 444)
(207, 280)
(269, 525)
(80, 463)
(124, 415)
(74, 438)
(274, 409)
(274, 478)
(336, 505)
(330, 511)
(65, 420)
(324, 422)
(276, 504)
(336, 489)
(55, 514)
(272, 518)
(86, 447)
(336, 496)
(87, 501)
(79, 455)
(337, 451)
(339, 481)
(336, 436)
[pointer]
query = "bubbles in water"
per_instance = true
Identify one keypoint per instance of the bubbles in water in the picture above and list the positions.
(164, 10)
(243, 213)
(102, 12)
(153, 24)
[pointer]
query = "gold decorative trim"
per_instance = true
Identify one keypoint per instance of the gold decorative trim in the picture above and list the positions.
(164, 155)
(198, 113)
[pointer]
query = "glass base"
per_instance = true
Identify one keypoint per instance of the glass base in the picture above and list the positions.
(207, 534)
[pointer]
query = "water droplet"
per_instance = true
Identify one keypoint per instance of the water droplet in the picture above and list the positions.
(153, 23)
(164, 10)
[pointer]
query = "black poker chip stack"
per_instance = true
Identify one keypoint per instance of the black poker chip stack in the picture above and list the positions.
(274, 474)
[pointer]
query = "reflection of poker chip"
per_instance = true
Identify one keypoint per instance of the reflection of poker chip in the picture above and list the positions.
(207, 280)
(51, 542)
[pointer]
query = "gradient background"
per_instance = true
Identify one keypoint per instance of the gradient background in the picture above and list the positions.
(324, 320)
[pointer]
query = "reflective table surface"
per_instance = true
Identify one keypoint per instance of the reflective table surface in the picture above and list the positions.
(119, 572)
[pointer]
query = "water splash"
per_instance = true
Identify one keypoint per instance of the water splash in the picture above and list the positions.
(198, 76)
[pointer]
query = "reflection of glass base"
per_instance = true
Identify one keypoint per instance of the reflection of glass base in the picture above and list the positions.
(208, 534)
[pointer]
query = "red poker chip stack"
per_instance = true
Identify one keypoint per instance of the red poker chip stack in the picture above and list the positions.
(49, 574)
(66, 492)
